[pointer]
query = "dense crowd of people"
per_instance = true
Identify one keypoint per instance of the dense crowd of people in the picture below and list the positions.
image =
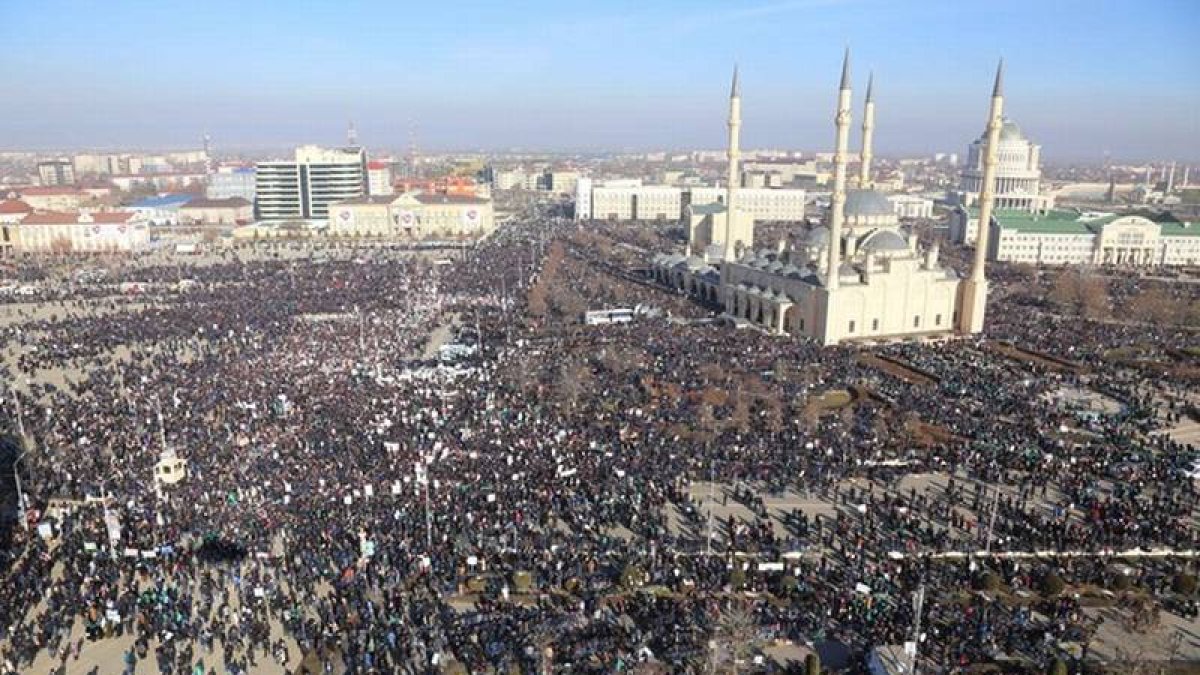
(349, 506)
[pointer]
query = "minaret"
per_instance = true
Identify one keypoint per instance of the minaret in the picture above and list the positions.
(973, 291)
(868, 135)
(351, 135)
(733, 178)
(1170, 180)
(837, 210)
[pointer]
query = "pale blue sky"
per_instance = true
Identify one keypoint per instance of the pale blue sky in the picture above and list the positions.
(1083, 76)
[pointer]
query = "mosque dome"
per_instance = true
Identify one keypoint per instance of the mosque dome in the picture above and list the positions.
(868, 203)
(881, 241)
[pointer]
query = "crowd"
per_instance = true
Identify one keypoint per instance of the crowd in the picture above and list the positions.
(343, 514)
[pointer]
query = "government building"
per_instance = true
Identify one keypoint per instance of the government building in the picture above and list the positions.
(1018, 176)
(304, 188)
(1065, 237)
(412, 215)
(858, 275)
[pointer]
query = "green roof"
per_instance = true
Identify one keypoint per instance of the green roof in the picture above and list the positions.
(1062, 221)
(708, 209)
(1053, 222)
(1180, 229)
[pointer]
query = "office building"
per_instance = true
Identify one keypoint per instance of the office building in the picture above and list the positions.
(56, 172)
(304, 188)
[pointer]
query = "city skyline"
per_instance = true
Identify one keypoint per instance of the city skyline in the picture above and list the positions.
(622, 77)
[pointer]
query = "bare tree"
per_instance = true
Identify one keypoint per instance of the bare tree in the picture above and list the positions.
(735, 636)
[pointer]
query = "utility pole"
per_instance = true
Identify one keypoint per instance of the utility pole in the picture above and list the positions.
(20, 493)
(918, 606)
(362, 331)
(20, 414)
(992, 520)
(712, 501)
(162, 430)
(24, 449)
(428, 518)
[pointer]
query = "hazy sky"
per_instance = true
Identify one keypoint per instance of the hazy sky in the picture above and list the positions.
(1083, 76)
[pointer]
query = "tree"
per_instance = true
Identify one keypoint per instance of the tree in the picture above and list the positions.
(1086, 295)
(737, 579)
(574, 380)
(1052, 584)
(1155, 305)
(1184, 583)
(536, 300)
(988, 581)
(735, 633)
(632, 576)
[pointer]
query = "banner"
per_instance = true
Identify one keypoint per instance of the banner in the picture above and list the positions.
(405, 219)
(472, 217)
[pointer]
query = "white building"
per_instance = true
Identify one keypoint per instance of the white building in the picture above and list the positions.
(583, 199)
(512, 179)
(379, 178)
(66, 232)
(1074, 238)
(231, 181)
(1018, 173)
(911, 206)
(304, 188)
(412, 215)
(562, 182)
(761, 204)
(629, 199)
(860, 276)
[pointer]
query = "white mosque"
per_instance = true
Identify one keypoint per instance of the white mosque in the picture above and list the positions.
(857, 276)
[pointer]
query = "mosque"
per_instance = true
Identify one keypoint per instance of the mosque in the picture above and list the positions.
(856, 276)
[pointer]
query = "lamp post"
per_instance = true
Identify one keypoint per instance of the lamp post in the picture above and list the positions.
(17, 474)
(20, 494)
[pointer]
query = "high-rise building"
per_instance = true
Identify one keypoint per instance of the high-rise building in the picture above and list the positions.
(56, 172)
(304, 188)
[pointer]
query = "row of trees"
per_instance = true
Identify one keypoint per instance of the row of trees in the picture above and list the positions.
(1089, 295)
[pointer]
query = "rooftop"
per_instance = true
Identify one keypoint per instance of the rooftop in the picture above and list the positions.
(383, 200)
(163, 201)
(708, 209)
(48, 190)
(15, 206)
(427, 198)
(72, 217)
(227, 203)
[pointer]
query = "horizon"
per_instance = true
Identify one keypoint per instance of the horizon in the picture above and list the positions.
(624, 78)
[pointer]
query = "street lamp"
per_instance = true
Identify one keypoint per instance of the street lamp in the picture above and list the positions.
(20, 493)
